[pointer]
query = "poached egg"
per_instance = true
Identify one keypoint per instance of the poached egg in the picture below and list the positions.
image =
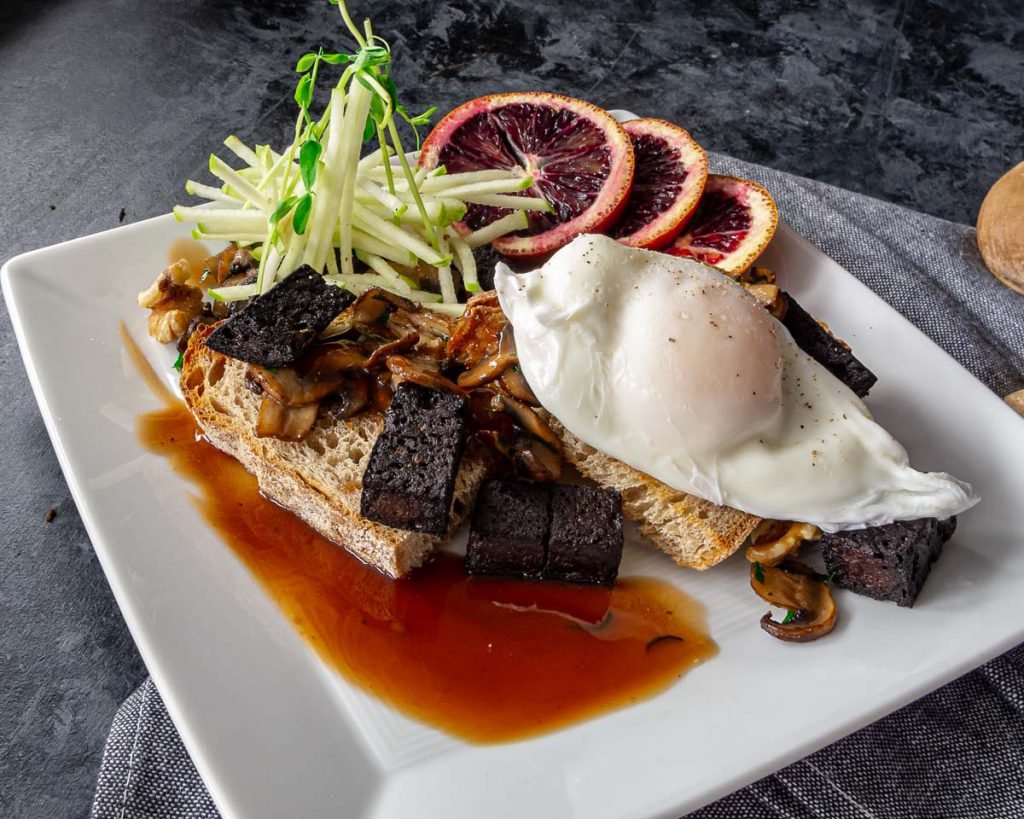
(675, 369)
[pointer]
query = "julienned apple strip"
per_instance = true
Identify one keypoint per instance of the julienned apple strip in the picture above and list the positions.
(317, 202)
(499, 227)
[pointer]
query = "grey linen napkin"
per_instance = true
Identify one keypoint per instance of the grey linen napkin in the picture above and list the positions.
(958, 752)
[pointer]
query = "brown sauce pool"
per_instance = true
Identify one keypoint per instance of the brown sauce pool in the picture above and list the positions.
(487, 660)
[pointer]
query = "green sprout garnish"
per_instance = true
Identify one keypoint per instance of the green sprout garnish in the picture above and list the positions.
(321, 203)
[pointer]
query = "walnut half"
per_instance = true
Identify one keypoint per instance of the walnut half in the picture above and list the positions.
(173, 302)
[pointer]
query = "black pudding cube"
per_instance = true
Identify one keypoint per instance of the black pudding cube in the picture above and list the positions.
(275, 329)
(410, 478)
(509, 529)
(887, 562)
(585, 541)
(824, 348)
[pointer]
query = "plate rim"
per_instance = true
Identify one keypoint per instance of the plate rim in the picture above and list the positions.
(18, 268)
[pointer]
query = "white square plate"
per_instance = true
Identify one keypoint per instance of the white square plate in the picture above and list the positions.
(274, 732)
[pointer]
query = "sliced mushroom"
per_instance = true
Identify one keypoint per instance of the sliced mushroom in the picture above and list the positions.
(222, 309)
(501, 444)
(488, 402)
(405, 369)
(318, 375)
(289, 389)
(233, 280)
(251, 383)
(527, 418)
(516, 431)
(494, 365)
(288, 423)
(340, 325)
(242, 261)
(382, 391)
(797, 587)
(515, 385)
(375, 306)
(352, 398)
(231, 261)
(399, 345)
(425, 275)
(205, 318)
(434, 330)
(773, 541)
(379, 314)
(338, 356)
(488, 413)
(215, 268)
(537, 460)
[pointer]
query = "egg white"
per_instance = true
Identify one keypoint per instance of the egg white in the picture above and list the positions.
(674, 369)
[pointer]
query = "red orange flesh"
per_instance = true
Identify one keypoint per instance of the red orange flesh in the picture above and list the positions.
(580, 158)
(671, 170)
(734, 222)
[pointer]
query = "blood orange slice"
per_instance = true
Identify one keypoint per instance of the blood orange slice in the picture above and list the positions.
(581, 161)
(735, 220)
(671, 169)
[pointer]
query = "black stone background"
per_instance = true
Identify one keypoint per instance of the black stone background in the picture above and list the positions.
(106, 107)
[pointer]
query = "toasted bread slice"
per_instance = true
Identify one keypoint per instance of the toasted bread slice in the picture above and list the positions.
(693, 532)
(318, 478)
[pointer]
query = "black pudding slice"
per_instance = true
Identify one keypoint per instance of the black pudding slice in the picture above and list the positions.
(409, 481)
(274, 329)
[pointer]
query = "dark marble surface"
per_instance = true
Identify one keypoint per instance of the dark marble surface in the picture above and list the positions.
(106, 107)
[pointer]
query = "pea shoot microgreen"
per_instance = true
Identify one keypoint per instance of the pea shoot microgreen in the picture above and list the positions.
(322, 203)
(370, 66)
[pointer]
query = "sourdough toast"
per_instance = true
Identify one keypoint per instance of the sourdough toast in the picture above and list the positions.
(695, 533)
(318, 478)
